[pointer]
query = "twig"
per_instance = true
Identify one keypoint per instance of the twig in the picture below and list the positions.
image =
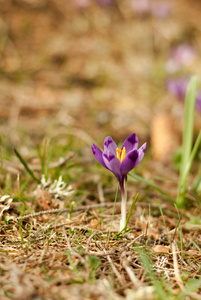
(176, 267)
(89, 241)
(8, 166)
(130, 273)
(87, 277)
(112, 265)
(75, 209)
(83, 260)
(72, 251)
(178, 277)
(134, 240)
(81, 134)
(100, 192)
(9, 169)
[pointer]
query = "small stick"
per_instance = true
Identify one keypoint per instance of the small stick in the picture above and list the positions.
(176, 267)
(75, 209)
(100, 192)
(134, 240)
(89, 241)
(7, 165)
(177, 275)
(112, 265)
(87, 277)
(130, 273)
(72, 251)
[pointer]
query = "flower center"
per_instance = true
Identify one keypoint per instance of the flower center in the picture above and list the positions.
(121, 154)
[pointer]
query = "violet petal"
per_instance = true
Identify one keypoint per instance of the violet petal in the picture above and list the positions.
(112, 163)
(180, 56)
(198, 100)
(132, 159)
(178, 87)
(141, 7)
(110, 146)
(141, 152)
(129, 162)
(81, 3)
(98, 155)
(161, 9)
(130, 143)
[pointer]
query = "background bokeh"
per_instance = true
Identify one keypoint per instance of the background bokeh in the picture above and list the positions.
(98, 66)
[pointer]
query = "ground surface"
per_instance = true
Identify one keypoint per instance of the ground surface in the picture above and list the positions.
(71, 77)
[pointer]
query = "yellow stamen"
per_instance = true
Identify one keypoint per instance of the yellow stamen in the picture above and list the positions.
(121, 154)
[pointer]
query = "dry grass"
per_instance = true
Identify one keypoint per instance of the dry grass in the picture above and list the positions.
(54, 257)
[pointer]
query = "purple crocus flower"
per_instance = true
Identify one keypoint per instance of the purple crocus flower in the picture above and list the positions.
(105, 2)
(141, 7)
(180, 56)
(160, 10)
(177, 87)
(80, 4)
(120, 162)
(198, 101)
(148, 7)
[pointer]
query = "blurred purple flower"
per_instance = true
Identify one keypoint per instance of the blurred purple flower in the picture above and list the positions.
(160, 10)
(105, 2)
(141, 7)
(120, 162)
(148, 7)
(81, 3)
(180, 56)
(178, 87)
(198, 101)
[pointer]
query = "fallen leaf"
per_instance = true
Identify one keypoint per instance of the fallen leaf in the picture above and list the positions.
(161, 248)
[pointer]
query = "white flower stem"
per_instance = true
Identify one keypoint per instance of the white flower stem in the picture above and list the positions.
(123, 205)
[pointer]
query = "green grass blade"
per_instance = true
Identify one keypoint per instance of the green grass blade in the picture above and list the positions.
(94, 263)
(156, 187)
(188, 121)
(26, 166)
(115, 201)
(191, 158)
(165, 225)
(187, 137)
(193, 153)
(197, 182)
(20, 224)
(150, 272)
(71, 263)
(178, 223)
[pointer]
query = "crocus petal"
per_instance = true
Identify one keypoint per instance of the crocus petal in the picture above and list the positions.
(109, 152)
(130, 143)
(132, 160)
(98, 155)
(129, 162)
(110, 146)
(141, 152)
(113, 164)
(198, 101)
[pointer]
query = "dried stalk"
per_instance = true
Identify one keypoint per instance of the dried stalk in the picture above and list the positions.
(116, 272)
